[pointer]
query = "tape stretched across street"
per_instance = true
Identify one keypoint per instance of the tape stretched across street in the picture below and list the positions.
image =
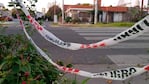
(119, 74)
(137, 29)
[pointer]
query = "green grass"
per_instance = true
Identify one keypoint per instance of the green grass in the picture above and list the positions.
(1, 25)
(115, 24)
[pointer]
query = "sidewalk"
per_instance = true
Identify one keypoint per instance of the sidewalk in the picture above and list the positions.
(141, 79)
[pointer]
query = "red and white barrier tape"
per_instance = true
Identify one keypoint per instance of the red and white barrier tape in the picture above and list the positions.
(120, 74)
(136, 30)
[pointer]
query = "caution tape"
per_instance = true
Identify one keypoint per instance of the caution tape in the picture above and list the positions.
(119, 74)
(136, 30)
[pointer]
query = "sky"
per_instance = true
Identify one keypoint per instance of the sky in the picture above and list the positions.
(44, 3)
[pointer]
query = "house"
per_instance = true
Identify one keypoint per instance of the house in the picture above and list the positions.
(39, 15)
(113, 14)
(1, 6)
(5, 14)
(81, 12)
(86, 12)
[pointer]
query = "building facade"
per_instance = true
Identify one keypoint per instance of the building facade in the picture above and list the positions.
(86, 13)
(5, 15)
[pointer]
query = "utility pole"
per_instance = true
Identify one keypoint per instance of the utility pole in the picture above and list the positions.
(142, 4)
(96, 11)
(63, 12)
(148, 4)
(55, 16)
(54, 7)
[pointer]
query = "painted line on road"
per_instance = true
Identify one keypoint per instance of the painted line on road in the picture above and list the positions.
(131, 45)
(129, 60)
(106, 37)
(128, 46)
(97, 31)
(103, 33)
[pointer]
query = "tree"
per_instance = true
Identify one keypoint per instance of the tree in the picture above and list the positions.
(19, 11)
(55, 9)
(30, 7)
(135, 14)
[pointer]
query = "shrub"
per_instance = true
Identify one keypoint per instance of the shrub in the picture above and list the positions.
(21, 63)
(76, 20)
(68, 19)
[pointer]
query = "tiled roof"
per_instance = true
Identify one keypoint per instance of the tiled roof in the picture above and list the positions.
(110, 9)
(114, 9)
(77, 6)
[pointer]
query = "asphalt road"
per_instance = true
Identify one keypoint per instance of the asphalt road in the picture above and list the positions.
(122, 55)
(132, 49)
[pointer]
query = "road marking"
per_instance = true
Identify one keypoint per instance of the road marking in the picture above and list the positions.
(129, 60)
(129, 45)
(97, 31)
(106, 37)
(103, 33)
(96, 34)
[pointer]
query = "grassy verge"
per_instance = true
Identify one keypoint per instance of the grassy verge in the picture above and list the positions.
(116, 24)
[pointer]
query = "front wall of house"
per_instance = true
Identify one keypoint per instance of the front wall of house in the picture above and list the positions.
(69, 14)
(84, 16)
(5, 13)
(104, 17)
(117, 17)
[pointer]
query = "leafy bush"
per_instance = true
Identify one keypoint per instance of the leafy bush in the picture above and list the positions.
(76, 20)
(68, 19)
(20, 63)
(85, 19)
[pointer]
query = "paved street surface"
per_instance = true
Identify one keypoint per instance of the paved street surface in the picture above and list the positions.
(129, 53)
(125, 53)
